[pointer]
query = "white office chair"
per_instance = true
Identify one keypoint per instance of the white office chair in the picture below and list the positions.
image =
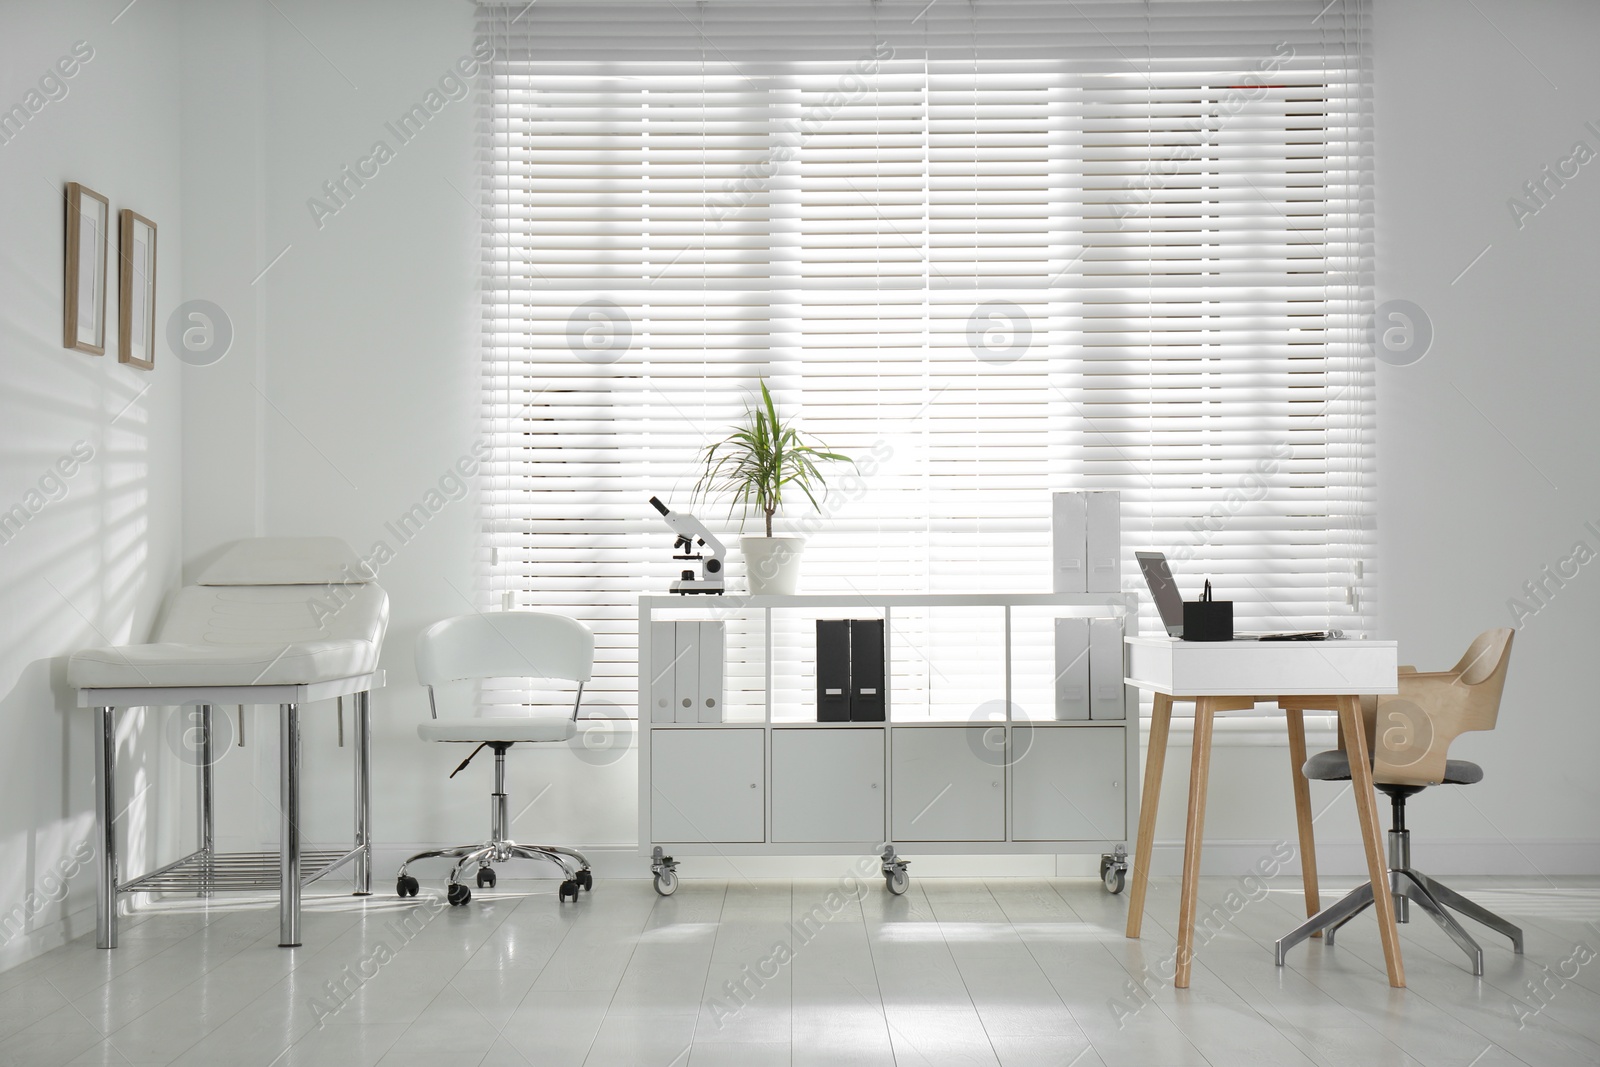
(509, 644)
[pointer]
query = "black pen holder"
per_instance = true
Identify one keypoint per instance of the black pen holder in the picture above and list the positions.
(1208, 620)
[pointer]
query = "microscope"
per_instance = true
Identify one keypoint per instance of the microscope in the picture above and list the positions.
(691, 531)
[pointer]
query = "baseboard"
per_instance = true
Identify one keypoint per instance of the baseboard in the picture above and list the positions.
(1458, 856)
(45, 937)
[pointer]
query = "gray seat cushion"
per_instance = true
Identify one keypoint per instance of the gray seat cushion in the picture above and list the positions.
(1334, 766)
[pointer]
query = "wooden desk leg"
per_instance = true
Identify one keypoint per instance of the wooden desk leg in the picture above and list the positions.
(1371, 836)
(1154, 763)
(1199, 774)
(1302, 810)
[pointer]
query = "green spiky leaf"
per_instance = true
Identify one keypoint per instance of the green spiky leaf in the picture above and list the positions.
(759, 458)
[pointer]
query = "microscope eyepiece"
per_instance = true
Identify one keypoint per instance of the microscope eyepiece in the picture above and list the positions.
(659, 506)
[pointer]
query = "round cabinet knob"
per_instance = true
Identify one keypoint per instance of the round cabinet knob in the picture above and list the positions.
(661, 702)
(711, 702)
(687, 702)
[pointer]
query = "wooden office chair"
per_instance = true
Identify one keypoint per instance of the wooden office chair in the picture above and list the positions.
(1409, 736)
(505, 644)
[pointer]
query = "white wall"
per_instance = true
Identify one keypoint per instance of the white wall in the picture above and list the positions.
(1488, 444)
(92, 565)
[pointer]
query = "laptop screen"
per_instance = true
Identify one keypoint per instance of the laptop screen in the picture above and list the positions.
(1163, 590)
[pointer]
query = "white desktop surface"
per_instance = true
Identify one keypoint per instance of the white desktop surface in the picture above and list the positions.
(1267, 669)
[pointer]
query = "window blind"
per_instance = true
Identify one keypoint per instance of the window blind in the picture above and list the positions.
(988, 248)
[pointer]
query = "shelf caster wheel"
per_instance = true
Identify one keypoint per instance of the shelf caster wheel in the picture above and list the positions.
(568, 891)
(585, 880)
(665, 868)
(1114, 869)
(458, 895)
(486, 877)
(406, 886)
(897, 881)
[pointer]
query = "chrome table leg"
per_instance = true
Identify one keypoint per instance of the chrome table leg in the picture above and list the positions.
(105, 799)
(363, 775)
(289, 826)
(207, 815)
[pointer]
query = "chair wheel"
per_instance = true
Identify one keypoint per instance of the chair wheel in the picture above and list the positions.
(406, 886)
(585, 879)
(486, 877)
(1114, 879)
(568, 890)
(458, 894)
(897, 881)
(667, 882)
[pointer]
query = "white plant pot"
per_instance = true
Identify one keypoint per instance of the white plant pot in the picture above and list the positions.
(772, 564)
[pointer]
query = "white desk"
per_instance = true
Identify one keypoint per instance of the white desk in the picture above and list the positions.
(1235, 675)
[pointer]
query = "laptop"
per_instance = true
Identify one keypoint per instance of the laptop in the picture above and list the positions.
(1169, 604)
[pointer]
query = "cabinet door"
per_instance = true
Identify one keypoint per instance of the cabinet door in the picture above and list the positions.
(1067, 783)
(948, 783)
(706, 785)
(827, 785)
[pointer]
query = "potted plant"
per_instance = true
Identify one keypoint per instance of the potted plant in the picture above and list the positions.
(755, 464)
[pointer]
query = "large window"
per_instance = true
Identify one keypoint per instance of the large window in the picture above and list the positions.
(991, 249)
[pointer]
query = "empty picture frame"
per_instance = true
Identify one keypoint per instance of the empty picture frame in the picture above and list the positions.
(136, 290)
(88, 219)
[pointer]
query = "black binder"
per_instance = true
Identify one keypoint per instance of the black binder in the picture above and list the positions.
(866, 670)
(833, 670)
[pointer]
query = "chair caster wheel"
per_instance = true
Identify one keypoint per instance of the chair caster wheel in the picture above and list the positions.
(406, 886)
(585, 879)
(458, 894)
(568, 891)
(486, 878)
(667, 882)
(897, 881)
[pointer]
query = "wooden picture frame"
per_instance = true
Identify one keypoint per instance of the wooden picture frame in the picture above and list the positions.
(84, 303)
(136, 290)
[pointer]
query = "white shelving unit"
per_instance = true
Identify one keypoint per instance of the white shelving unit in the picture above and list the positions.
(769, 781)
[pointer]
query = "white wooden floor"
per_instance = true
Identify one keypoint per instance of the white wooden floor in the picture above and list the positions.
(956, 971)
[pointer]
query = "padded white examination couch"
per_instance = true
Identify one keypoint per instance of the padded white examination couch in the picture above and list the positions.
(275, 620)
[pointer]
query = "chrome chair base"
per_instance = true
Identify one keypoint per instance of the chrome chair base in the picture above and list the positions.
(575, 870)
(1407, 885)
(499, 851)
